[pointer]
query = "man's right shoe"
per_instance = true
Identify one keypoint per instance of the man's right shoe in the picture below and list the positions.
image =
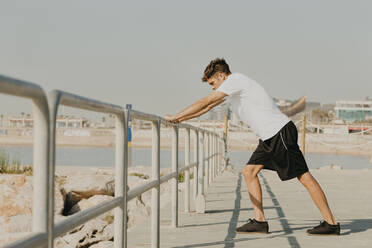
(254, 226)
(325, 229)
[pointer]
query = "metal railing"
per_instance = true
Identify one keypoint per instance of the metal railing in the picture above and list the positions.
(206, 165)
(41, 209)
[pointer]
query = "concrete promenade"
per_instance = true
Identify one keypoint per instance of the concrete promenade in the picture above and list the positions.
(288, 208)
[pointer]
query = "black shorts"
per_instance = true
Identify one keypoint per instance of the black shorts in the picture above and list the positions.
(281, 153)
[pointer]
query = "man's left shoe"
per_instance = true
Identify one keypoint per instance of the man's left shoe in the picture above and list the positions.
(325, 229)
(253, 226)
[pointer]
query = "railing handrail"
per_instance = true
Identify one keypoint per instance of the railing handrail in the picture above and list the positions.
(76, 101)
(46, 109)
(42, 208)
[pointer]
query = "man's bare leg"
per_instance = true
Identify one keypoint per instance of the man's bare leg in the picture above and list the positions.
(254, 189)
(318, 196)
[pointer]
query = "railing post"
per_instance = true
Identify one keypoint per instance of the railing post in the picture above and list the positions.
(201, 164)
(219, 156)
(214, 156)
(210, 138)
(53, 100)
(216, 148)
(155, 197)
(187, 172)
(175, 180)
(207, 154)
(196, 159)
(200, 199)
(121, 165)
(42, 218)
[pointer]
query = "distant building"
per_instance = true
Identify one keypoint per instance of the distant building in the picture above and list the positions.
(351, 111)
(21, 122)
(71, 122)
(62, 122)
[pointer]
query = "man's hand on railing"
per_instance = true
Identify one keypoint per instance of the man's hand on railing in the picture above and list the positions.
(171, 118)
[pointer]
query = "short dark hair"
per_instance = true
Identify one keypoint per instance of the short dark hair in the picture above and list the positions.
(216, 65)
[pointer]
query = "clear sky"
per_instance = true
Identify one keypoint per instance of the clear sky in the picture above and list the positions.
(153, 53)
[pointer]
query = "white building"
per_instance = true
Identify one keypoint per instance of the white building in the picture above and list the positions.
(351, 111)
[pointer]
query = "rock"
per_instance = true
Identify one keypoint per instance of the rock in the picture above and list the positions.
(86, 186)
(10, 237)
(90, 233)
(90, 202)
(137, 211)
(16, 195)
(59, 200)
(78, 187)
(16, 223)
(103, 244)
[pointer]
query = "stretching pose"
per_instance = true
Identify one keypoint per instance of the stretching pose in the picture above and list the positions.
(277, 149)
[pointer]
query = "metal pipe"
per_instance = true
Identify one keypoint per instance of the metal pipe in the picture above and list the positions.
(206, 149)
(189, 167)
(81, 217)
(196, 160)
(42, 211)
(121, 165)
(201, 165)
(150, 117)
(53, 100)
(133, 193)
(80, 102)
(168, 177)
(214, 157)
(42, 218)
(187, 172)
(30, 241)
(210, 161)
(155, 198)
(174, 181)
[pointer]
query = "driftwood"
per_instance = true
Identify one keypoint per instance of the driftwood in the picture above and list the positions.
(295, 107)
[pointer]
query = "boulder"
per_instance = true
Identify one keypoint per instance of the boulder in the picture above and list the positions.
(90, 202)
(16, 223)
(10, 237)
(84, 186)
(103, 244)
(78, 187)
(16, 195)
(90, 233)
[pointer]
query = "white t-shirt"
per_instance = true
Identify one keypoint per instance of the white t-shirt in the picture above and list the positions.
(250, 102)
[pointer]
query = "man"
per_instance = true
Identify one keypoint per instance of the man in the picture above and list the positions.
(277, 149)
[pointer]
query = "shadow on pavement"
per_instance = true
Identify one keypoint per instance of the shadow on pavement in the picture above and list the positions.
(214, 211)
(355, 226)
(229, 240)
(286, 228)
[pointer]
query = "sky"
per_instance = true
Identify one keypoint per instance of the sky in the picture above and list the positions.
(152, 54)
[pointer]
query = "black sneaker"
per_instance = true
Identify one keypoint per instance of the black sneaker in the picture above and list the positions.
(325, 229)
(254, 226)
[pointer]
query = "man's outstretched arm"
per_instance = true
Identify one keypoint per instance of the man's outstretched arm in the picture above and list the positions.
(201, 112)
(198, 108)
